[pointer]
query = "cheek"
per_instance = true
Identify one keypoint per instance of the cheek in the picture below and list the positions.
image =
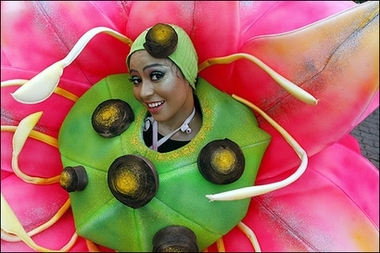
(175, 88)
(174, 97)
(136, 93)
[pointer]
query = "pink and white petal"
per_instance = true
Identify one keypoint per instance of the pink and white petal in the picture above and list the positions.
(32, 204)
(327, 209)
(57, 26)
(258, 18)
(36, 159)
(273, 17)
(334, 76)
(53, 238)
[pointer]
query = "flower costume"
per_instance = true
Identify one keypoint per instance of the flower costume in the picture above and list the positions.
(291, 211)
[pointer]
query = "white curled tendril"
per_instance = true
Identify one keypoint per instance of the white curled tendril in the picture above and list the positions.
(287, 85)
(11, 226)
(13, 238)
(251, 191)
(40, 87)
(247, 232)
(19, 138)
(57, 90)
(251, 236)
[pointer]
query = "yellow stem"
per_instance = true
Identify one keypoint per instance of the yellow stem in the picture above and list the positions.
(251, 191)
(35, 135)
(30, 179)
(22, 132)
(10, 224)
(220, 245)
(41, 86)
(92, 247)
(53, 220)
(299, 150)
(251, 236)
(46, 225)
(19, 82)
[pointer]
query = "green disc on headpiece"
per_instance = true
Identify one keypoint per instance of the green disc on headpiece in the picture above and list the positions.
(161, 41)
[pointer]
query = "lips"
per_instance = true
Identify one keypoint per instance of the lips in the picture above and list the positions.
(155, 106)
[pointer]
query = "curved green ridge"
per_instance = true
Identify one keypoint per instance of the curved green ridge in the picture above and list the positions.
(180, 199)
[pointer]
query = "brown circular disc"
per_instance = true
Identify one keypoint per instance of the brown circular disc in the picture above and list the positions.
(161, 40)
(112, 117)
(221, 161)
(133, 180)
(175, 239)
(73, 178)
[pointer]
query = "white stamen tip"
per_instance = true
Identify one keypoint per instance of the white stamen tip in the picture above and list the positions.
(210, 197)
(40, 87)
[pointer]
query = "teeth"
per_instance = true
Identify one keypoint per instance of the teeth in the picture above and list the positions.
(152, 105)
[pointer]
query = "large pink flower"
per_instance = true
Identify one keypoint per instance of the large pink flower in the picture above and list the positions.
(332, 207)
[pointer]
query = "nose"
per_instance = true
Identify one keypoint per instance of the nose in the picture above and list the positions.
(146, 89)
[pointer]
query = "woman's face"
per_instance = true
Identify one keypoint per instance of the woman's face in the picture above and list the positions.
(160, 86)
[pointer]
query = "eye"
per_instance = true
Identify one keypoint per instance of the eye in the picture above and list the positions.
(156, 75)
(135, 80)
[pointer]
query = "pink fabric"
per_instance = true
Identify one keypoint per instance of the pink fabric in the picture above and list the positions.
(322, 211)
(339, 191)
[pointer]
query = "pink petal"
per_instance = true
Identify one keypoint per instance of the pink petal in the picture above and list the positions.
(327, 209)
(36, 158)
(32, 204)
(334, 76)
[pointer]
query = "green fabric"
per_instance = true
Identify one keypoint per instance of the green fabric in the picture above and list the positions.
(185, 56)
(180, 199)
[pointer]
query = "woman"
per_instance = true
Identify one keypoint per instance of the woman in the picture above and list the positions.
(165, 87)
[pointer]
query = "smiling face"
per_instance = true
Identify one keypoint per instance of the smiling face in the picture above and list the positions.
(160, 86)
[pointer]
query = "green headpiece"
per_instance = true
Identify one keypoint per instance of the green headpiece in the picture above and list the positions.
(169, 41)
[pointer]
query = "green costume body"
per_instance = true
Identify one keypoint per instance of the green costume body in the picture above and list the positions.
(181, 196)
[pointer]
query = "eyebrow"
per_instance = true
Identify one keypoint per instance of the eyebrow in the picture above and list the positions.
(150, 66)
(153, 65)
